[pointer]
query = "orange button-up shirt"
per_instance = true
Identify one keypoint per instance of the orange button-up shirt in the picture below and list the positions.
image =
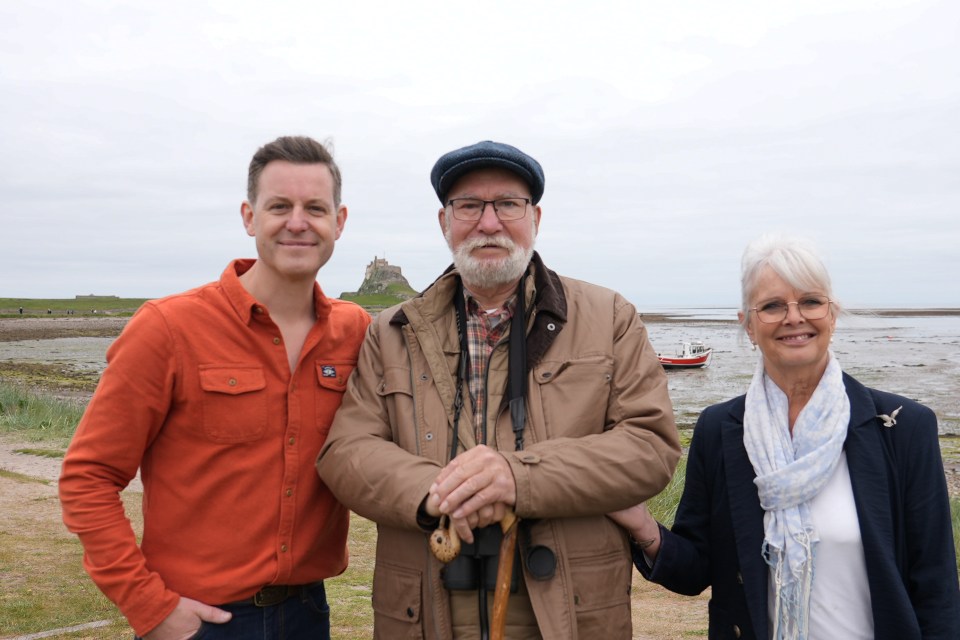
(198, 394)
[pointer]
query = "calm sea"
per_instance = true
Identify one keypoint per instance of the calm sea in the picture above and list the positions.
(914, 356)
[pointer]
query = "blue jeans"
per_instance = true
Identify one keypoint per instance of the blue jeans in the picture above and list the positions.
(303, 617)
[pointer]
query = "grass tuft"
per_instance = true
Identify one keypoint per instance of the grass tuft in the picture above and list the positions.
(42, 453)
(37, 418)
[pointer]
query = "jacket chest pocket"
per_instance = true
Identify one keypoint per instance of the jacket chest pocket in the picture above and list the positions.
(574, 394)
(332, 380)
(234, 402)
(397, 394)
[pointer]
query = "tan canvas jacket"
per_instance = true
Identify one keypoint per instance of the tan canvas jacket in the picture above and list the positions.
(600, 436)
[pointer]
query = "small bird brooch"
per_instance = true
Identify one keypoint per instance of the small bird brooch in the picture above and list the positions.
(890, 420)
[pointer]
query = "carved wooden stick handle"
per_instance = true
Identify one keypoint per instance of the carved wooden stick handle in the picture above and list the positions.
(445, 542)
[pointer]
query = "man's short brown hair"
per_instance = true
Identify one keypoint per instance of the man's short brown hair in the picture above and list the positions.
(295, 149)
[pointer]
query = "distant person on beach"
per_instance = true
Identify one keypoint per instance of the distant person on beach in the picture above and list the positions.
(814, 506)
(502, 389)
(222, 397)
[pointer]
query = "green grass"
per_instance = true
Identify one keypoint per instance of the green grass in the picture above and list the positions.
(37, 418)
(663, 507)
(373, 300)
(59, 306)
(19, 477)
(351, 614)
(42, 453)
(955, 514)
(45, 586)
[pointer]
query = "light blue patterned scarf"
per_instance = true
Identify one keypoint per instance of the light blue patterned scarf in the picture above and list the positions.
(790, 472)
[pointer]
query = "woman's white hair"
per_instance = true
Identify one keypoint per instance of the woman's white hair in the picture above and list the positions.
(793, 259)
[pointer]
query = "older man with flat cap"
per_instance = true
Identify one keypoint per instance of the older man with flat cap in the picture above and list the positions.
(502, 390)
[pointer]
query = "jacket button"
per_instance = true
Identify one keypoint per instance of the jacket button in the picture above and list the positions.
(551, 327)
(429, 437)
(739, 578)
(736, 631)
(409, 612)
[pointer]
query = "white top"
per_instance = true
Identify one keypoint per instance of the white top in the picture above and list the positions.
(840, 596)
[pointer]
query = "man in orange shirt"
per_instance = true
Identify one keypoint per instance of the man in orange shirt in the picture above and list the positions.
(222, 396)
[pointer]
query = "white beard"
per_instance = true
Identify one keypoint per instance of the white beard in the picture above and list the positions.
(485, 273)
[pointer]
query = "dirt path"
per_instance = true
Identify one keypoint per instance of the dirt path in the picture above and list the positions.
(38, 467)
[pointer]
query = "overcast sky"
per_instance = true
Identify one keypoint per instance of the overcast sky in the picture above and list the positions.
(671, 134)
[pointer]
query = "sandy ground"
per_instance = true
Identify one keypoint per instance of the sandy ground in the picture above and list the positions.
(60, 327)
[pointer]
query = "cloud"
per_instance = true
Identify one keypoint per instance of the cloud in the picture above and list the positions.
(671, 135)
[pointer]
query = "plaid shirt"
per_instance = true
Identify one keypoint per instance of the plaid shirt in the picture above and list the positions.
(484, 331)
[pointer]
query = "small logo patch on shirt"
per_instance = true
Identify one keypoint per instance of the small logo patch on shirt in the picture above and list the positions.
(328, 371)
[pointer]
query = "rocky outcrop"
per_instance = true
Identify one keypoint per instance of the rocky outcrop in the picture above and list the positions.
(383, 278)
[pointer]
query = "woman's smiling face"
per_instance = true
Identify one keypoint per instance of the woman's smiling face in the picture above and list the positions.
(795, 347)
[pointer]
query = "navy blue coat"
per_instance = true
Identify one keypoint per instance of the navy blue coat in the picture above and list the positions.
(902, 505)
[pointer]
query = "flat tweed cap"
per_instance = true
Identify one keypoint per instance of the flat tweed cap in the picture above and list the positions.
(452, 166)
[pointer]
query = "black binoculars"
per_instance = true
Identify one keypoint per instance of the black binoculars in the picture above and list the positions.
(477, 563)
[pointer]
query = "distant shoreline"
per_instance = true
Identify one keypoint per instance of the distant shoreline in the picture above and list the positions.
(936, 312)
(43, 327)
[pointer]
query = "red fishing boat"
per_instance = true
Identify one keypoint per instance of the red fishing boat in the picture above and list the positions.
(690, 355)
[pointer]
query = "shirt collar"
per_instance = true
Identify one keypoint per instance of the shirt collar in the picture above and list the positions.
(246, 306)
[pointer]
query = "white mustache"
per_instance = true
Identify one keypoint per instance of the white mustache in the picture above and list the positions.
(496, 241)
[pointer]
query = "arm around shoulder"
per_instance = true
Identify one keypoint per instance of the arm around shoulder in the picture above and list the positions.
(368, 460)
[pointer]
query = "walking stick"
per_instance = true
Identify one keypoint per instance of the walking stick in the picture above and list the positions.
(508, 547)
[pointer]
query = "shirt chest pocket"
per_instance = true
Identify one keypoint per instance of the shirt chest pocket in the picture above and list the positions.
(574, 394)
(332, 380)
(234, 402)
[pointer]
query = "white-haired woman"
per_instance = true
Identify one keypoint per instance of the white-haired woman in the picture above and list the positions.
(814, 506)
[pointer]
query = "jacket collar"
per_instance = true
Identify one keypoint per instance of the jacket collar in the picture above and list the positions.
(545, 296)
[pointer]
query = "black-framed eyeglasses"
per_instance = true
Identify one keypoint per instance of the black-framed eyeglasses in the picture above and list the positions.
(471, 209)
(810, 307)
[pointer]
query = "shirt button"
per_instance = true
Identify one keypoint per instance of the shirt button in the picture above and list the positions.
(232, 382)
(551, 327)
(739, 578)
(283, 548)
(276, 341)
(292, 440)
(736, 631)
(429, 437)
(289, 492)
(409, 612)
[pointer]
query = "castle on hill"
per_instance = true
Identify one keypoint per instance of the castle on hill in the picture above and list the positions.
(382, 278)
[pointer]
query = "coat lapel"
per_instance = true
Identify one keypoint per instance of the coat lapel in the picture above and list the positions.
(746, 515)
(870, 461)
